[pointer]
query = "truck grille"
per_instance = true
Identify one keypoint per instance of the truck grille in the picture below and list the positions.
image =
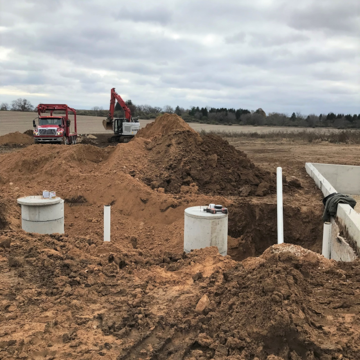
(47, 131)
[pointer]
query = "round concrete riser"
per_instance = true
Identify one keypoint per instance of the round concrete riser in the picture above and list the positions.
(203, 230)
(45, 227)
(38, 216)
(43, 213)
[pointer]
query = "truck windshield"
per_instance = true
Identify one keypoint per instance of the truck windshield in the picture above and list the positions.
(50, 121)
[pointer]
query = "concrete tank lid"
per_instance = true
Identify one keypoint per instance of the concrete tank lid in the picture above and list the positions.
(37, 200)
(198, 212)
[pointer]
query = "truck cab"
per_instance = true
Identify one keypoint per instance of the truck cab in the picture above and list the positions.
(55, 128)
(50, 129)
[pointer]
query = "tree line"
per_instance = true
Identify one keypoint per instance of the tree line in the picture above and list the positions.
(17, 105)
(211, 115)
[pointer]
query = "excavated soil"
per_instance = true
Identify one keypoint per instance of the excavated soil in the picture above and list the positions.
(164, 125)
(74, 297)
(16, 138)
(179, 157)
(209, 162)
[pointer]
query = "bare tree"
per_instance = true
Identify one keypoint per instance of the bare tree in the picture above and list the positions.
(21, 105)
(168, 109)
(261, 112)
(4, 107)
(246, 119)
(277, 119)
(198, 115)
(231, 118)
(95, 109)
(299, 115)
(312, 120)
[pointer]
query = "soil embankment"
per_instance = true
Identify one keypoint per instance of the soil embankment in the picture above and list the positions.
(16, 138)
(72, 297)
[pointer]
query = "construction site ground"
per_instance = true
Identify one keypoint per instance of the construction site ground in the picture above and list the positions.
(72, 296)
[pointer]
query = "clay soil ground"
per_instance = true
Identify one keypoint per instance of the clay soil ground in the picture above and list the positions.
(140, 297)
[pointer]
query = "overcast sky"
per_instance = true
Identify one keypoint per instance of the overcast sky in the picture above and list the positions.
(278, 55)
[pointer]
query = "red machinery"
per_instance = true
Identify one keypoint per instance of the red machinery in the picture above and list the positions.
(108, 123)
(55, 128)
(124, 128)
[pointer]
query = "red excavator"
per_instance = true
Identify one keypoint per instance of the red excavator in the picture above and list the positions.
(124, 128)
(55, 128)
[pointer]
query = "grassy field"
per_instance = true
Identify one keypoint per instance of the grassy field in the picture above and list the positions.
(11, 121)
(307, 135)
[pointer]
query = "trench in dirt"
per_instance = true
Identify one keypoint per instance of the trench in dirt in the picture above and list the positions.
(253, 228)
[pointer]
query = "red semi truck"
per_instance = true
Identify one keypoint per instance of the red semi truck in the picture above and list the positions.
(57, 128)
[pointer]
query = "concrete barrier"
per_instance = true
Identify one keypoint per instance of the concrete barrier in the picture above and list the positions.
(340, 250)
(346, 180)
(319, 179)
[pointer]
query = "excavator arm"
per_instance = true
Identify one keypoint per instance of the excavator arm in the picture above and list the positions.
(108, 123)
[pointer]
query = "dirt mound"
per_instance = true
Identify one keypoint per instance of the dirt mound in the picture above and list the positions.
(16, 138)
(281, 304)
(164, 125)
(62, 296)
(45, 161)
(29, 132)
(182, 158)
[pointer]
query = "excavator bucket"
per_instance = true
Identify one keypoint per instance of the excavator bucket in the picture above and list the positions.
(108, 124)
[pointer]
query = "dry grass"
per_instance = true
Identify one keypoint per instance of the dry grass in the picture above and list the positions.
(342, 137)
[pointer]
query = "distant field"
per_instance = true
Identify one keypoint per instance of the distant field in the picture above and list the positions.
(11, 121)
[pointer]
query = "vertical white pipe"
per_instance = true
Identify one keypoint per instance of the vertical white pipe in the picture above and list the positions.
(107, 222)
(326, 244)
(280, 215)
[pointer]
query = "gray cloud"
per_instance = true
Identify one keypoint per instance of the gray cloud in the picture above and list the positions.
(280, 56)
(157, 14)
(327, 15)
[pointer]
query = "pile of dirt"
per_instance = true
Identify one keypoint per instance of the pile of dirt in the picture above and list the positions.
(44, 161)
(289, 303)
(29, 132)
(16, 138)
(164, 125)
(65, 296)
(182, 158)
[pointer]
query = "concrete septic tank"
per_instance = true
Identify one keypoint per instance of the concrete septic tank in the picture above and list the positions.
(203, 230)
(42, 216)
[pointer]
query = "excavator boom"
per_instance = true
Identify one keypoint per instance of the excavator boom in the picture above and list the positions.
(108, 123)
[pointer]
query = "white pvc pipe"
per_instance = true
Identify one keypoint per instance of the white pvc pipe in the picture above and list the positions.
(326, 246)
(280, 215)
(107, 222)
